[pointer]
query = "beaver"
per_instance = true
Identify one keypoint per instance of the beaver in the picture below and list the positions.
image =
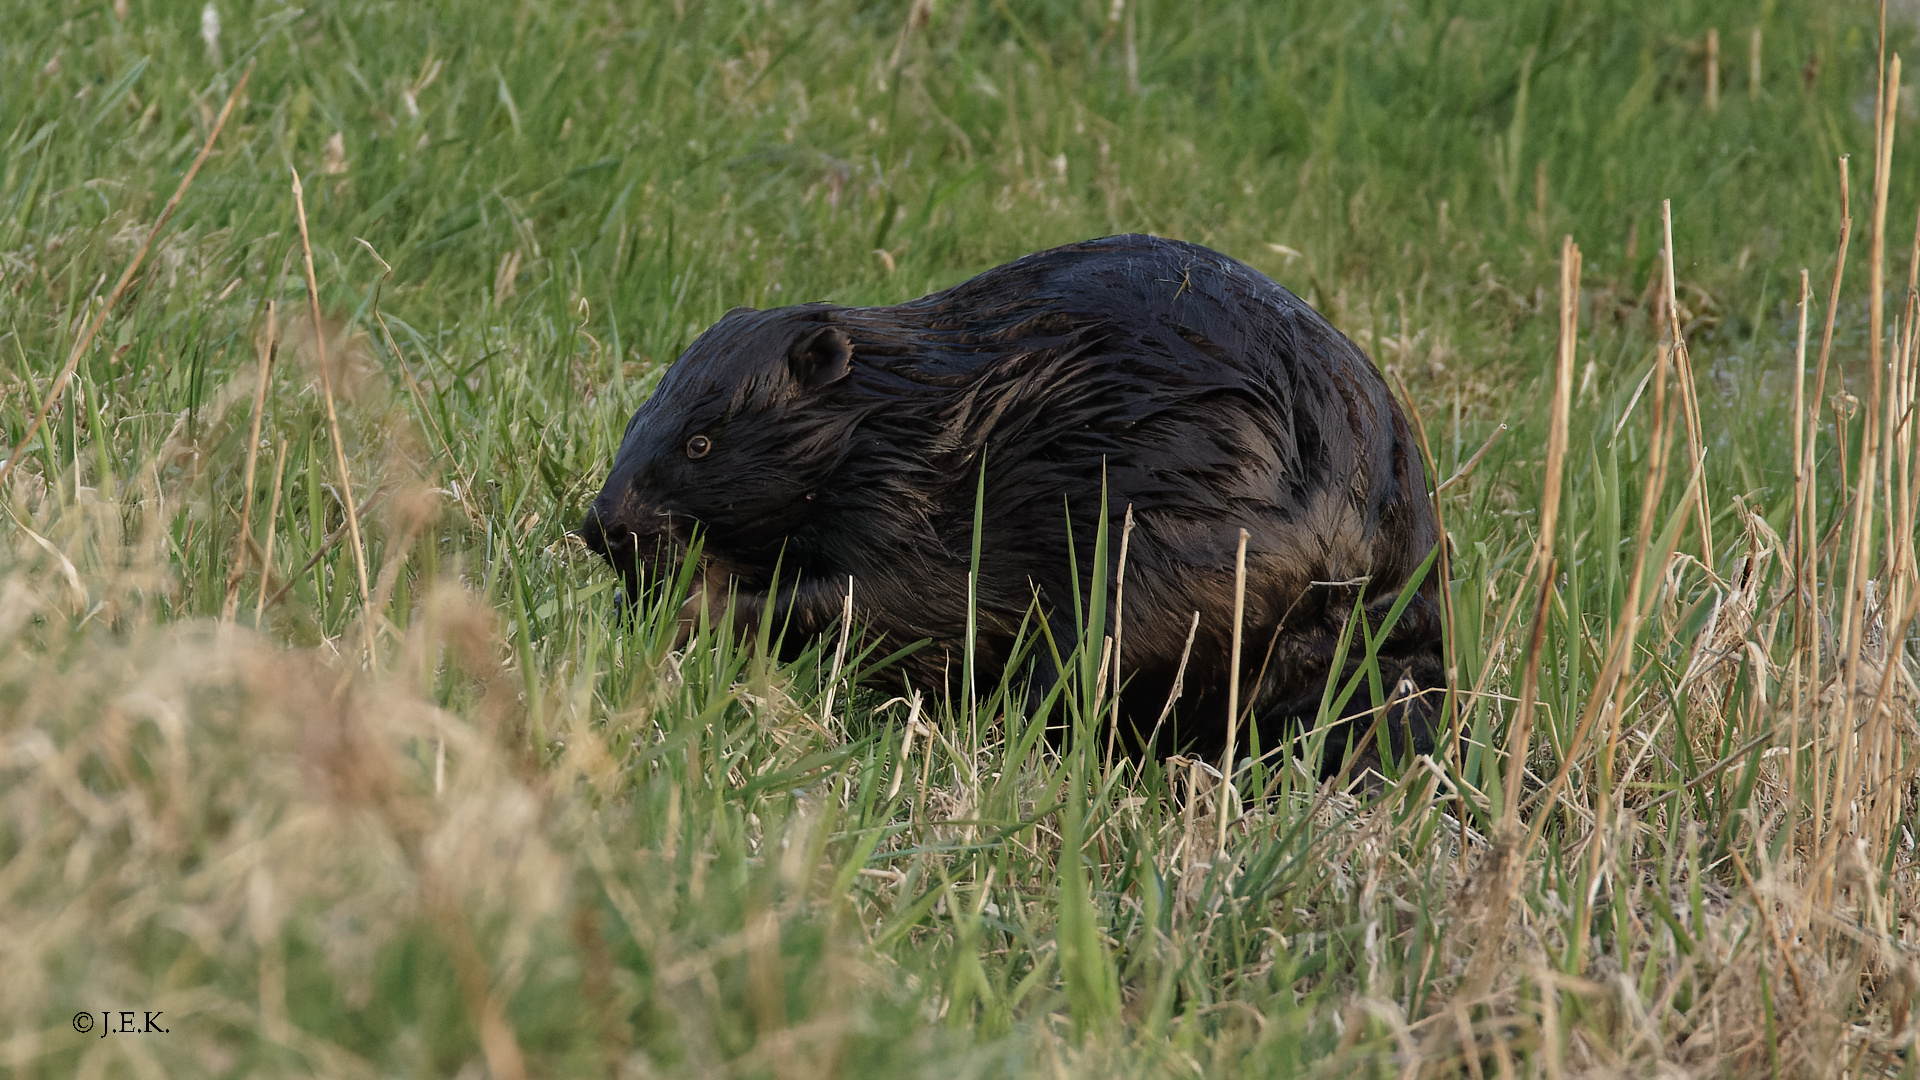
(815, 444)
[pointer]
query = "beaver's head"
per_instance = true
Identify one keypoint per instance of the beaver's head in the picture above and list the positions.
(740, 432)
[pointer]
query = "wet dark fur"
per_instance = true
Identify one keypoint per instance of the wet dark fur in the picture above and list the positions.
(847, 442)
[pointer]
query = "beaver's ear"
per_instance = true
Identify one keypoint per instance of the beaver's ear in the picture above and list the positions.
(820, 357)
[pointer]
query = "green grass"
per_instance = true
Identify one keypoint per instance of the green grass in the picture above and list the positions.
(521, 832)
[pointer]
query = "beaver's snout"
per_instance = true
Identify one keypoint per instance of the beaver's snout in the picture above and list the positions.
(639, 542)
(614, 540)
(606, 535)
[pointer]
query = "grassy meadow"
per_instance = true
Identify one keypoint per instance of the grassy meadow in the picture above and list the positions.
(321, 737)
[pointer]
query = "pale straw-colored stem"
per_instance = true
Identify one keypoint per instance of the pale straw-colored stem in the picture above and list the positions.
(333, 415)
(1233, 689)
(1810, 638)
(1689, 393)
(244, 542)
(273, 520)
(1855, 748)
(1796, 537)
(1119, 630)
(1542, 562)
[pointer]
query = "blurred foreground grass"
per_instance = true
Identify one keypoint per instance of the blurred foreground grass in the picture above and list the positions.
(473, 826)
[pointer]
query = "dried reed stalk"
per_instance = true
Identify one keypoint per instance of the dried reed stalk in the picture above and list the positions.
(1793, 531)
(333, 415)
(1607, 695)
(1466, 471)
(1807, 636)
(1504, 883)
(244, 542)
(1892, 407)
(1861, 754)
(273, 520)
(1689, 393)
(1542, 561)
(1233, 691)
(1119, 630)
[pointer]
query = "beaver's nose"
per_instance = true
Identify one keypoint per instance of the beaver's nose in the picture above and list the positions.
(606, 537)
(591, 532)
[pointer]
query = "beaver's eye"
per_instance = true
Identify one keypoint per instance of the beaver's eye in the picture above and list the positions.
(698, 446)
